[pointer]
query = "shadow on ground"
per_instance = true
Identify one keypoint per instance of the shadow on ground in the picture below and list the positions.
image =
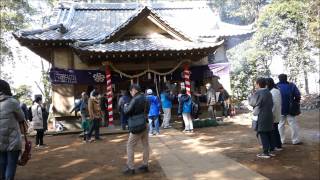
(237, 140)
(68, 158)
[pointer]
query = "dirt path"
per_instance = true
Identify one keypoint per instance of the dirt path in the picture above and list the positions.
(294, 162)
(68, 158)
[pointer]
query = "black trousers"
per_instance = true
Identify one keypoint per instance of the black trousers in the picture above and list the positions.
(39, 137)
(276, 139)
(96, 128)
(266, 141)
(105, 118)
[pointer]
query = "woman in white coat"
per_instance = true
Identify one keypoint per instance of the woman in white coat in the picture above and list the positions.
(276, 110)
(37, 121)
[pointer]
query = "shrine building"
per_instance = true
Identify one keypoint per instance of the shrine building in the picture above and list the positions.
(111, 45)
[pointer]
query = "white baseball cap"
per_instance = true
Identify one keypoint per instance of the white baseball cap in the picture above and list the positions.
(149, 91)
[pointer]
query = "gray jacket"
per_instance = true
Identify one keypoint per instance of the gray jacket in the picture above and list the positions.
(211, 97)
(10, 116)
(262, 104)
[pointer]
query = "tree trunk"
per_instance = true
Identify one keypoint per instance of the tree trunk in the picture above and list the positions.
(306, 83)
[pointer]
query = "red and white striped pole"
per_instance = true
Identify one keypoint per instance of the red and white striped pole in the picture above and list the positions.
(109, 95)
(186, 74)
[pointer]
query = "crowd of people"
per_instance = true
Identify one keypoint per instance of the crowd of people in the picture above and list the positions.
(273, 105)
(134, 107)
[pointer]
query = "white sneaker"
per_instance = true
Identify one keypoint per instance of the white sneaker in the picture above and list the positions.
(272, 155)
(278, 149)
(263, 156)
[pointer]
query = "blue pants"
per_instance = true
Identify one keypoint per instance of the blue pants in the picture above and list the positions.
(8, 164)
(124, 120)
(155, 119)
(96, 128)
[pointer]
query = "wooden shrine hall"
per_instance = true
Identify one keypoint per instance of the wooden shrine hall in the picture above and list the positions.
(111, 45)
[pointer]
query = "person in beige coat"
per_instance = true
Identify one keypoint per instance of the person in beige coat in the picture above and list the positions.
(95, 115)
(276, 111)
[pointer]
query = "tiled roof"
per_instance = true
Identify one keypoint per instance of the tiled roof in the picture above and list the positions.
(152, 44)
(90, 21)
(141, 13)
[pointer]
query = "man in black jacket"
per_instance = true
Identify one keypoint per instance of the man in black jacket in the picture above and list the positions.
(262, 104)
(137, 108)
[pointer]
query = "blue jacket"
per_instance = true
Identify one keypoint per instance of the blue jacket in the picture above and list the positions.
(289, 92)
(185, 104)
(154, 105)
(166, 100)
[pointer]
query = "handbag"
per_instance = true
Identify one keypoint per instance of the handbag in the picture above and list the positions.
(294, 106)
(137, 123)
(26, 155)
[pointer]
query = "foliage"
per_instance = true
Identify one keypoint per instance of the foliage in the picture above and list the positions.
(244, 71)
(13, 15)
(23, 93)
(239, 11)
(283, 28)
(313, 12)
(46, 84)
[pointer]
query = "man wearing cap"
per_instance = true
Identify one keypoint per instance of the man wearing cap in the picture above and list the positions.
(153, 114)
(137, 107)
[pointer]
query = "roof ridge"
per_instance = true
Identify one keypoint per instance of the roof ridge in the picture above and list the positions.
(134, 5)
(141, 12)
